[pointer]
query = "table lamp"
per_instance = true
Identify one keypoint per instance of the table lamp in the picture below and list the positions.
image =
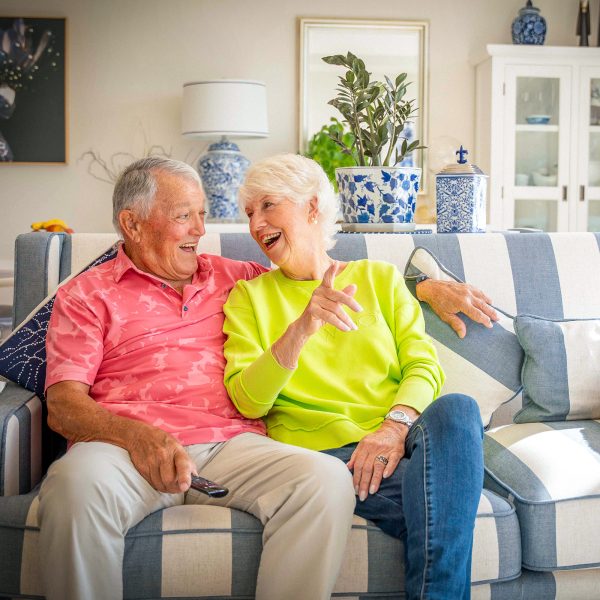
(224, 108)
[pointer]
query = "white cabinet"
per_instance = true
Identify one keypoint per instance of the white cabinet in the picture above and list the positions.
(538, 136)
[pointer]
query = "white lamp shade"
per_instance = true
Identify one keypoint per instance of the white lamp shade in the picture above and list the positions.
(224, 107)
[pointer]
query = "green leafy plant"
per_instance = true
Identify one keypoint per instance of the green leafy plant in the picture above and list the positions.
(327, 152)
(375, 112)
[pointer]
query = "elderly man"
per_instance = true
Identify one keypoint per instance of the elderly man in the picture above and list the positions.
(135, 384)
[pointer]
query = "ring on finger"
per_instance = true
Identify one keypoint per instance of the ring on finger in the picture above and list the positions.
(382, 459)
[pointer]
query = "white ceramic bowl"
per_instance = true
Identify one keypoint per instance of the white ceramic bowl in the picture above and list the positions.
(539, 179)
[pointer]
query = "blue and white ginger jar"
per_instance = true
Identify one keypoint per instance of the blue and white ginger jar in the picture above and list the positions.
(222, 171)
(529, 27)
(378, 194)
(460, 191)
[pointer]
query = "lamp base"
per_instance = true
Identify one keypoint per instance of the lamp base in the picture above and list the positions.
(222, 171)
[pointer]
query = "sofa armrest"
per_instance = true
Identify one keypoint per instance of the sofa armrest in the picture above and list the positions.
(37, 270)
(20, 440)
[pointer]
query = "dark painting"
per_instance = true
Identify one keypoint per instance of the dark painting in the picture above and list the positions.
(32, 90)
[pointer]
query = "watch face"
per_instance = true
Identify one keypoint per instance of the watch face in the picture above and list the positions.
(399, 416)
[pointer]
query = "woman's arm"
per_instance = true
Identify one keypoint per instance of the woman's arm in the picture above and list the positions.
(255, 376)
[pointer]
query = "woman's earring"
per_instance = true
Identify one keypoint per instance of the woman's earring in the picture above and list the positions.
(313, 220)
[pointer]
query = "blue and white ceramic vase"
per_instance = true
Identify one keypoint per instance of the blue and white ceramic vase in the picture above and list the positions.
(529, 27)
(460, 192)
(378, 194)
(222, 171)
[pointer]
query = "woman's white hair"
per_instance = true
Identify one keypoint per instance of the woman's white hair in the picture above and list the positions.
(295, 178)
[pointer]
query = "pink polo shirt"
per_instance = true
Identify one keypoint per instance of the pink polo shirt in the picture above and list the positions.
(147, 352)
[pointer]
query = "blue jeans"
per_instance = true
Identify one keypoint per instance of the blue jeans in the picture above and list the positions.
(430, 501)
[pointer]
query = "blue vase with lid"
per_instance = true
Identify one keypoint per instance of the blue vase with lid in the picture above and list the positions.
(460, 191)
(529, 27)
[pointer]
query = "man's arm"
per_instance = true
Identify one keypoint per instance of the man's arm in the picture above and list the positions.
(158, 456)
(448, 298)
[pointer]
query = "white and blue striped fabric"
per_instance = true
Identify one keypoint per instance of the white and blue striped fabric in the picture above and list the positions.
(551, 472)
(486, 364)
(561, 373)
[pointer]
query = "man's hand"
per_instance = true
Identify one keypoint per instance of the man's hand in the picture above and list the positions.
(162, 461)
(368, 471)
(448, 298)
(159, 457)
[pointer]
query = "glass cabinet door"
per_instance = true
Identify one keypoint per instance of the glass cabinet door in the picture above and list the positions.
(587, 213)
(536, 159)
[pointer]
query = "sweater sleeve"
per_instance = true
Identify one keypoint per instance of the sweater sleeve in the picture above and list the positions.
(253, 377)
(421, 373)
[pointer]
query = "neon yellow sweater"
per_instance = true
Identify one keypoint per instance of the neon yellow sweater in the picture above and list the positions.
(345, 383)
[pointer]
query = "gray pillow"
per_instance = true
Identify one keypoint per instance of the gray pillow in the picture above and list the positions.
(561, 371)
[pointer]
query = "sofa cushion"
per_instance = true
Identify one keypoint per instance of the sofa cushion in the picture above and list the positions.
(23, 354)
(486, 363)
(580, 584)
(196, 551)
(551, 472)
(561, 376)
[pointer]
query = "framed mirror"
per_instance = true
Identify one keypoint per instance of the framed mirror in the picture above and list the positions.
(386, 47)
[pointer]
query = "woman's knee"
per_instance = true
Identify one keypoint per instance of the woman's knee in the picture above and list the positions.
(454, 411)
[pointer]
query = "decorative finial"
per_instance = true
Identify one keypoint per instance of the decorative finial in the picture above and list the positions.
(461, 155)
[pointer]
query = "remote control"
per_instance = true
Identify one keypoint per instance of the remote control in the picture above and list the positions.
(210, 488)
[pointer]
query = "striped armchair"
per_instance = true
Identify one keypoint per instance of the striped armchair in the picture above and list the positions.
(537, 526)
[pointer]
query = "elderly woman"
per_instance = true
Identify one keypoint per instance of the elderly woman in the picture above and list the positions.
(334, 357)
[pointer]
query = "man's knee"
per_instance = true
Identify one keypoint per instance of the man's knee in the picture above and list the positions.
(76, 485)
(328, 482)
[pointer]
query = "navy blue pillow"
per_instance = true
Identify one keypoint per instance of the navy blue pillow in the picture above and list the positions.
(23, 354)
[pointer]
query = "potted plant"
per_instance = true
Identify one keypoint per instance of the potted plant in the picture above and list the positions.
(328, 153)
(376, 190)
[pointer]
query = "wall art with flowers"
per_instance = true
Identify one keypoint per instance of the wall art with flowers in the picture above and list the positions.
(33, 119)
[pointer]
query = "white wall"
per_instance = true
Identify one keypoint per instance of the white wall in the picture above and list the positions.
(128, 60)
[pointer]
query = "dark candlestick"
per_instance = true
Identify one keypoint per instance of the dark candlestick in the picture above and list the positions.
(583, 23)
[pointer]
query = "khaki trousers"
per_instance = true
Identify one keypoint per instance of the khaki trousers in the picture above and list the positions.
(93, 495)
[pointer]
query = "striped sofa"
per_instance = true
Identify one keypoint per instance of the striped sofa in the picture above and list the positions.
(538, 524)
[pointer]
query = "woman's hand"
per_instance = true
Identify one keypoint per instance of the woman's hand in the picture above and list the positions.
(326, 304)
(388, 443)
(448, 298)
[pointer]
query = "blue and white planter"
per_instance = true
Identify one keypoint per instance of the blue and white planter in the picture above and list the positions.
(378, 194)
(222, 171)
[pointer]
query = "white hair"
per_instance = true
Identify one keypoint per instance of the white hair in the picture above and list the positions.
(136, 185)
(295, 178)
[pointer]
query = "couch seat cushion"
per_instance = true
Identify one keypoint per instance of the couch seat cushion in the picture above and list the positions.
(195, 551)
(551, 472)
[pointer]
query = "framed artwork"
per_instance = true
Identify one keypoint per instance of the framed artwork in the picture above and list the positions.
(33, 117)
(386, 47)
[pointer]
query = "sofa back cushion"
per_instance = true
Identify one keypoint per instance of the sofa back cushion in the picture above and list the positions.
(561, 372)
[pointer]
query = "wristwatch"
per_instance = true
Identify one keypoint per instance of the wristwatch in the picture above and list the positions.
(420, 277)
(399, 416)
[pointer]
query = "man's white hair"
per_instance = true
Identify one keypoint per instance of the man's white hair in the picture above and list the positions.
(295, 178)
(136, 186)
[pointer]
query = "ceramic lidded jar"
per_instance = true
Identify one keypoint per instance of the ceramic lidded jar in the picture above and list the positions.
(460, 191)
(529, 27)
